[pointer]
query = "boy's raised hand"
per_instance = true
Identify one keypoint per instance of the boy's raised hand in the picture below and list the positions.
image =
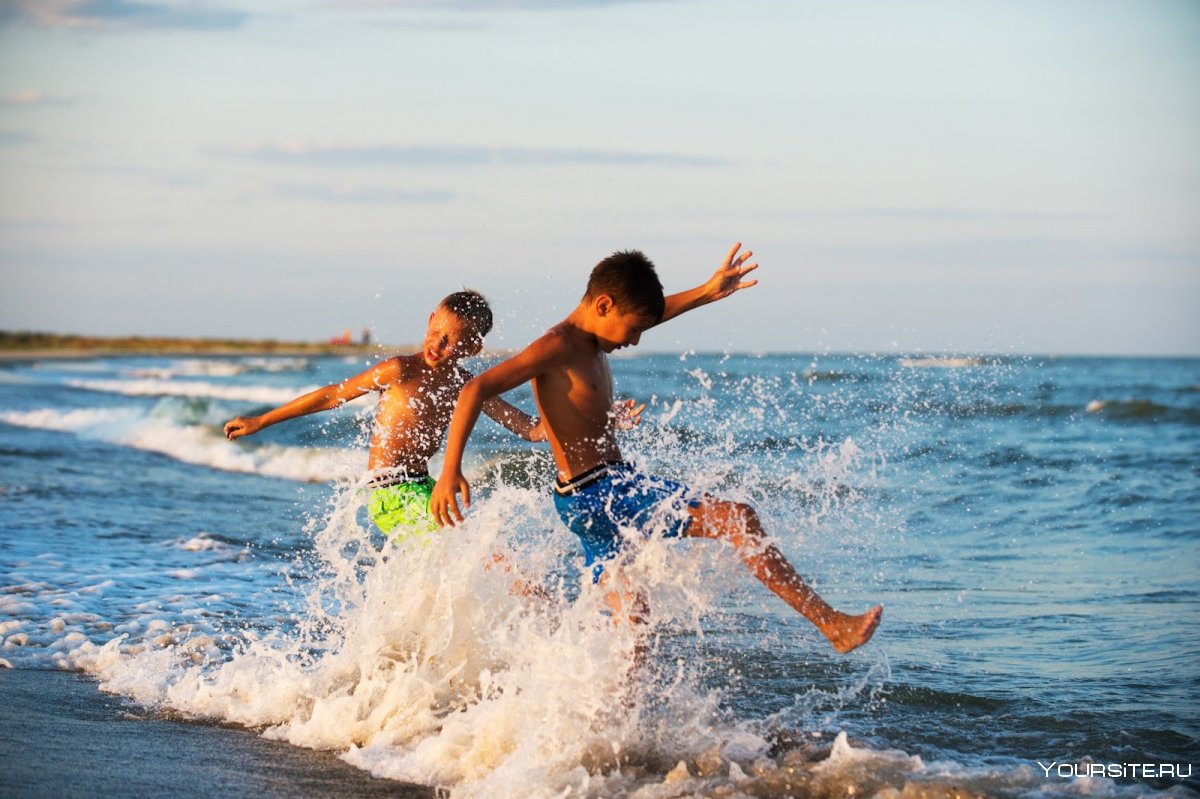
(443, 502)
(728, 277)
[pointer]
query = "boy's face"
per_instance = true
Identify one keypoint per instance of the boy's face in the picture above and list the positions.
(448, 338)
(621, 328)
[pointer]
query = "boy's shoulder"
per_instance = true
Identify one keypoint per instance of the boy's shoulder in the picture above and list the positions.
(558, 346)
(562, 340)
(394, 370)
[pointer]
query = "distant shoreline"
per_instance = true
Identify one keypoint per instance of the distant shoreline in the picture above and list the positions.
(32, 346)
(287, 351)
(26, 346)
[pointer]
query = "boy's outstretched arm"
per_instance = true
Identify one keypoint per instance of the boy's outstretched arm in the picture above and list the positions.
(377, 377)
(725, 281)
(504, 376)
(516, 420)
(510, 416)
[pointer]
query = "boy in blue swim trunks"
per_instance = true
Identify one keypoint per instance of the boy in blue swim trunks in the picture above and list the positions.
(416, 397)
(597, 495)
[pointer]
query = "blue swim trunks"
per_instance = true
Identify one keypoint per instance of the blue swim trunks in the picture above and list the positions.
(599, 503)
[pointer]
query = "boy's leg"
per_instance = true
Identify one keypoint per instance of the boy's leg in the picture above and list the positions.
(739, 525)
(628, 606)
(520, 586)
(624, 603)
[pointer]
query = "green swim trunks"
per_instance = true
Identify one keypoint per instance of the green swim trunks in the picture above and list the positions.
(405, 505)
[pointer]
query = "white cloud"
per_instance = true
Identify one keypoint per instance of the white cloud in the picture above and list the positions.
(366, 195)
(33, 98)
(306, 153)
(12, 138)
(489, 5)
(108, 14)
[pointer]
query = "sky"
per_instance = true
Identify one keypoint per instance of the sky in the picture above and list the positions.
(942, 177)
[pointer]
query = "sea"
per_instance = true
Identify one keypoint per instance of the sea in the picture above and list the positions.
(1031, 525)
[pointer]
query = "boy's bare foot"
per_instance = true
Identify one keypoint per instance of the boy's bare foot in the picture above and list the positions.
(847, 632)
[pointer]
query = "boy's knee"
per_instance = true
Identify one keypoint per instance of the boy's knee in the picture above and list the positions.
(739, 514)
(743, 512)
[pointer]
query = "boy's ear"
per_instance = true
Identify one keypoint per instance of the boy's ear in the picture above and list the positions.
(603, 304)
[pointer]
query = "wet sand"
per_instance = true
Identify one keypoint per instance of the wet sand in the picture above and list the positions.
(61, 737)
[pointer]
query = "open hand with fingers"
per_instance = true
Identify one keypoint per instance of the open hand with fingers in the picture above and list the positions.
(626, 414)
(728, 277)
(443, 502)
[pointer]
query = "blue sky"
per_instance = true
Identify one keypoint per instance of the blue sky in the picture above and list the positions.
(934, 176)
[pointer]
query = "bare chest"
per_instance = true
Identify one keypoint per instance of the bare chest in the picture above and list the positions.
(423, 403)
(583, 389)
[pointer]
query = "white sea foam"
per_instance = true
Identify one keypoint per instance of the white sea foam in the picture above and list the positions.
(190, 368)
(940, 363)
(196, 444)
(203, 367)
(159, 387)
(431, 668)
(428, 667)
(91, 365)
(421, 663)
(203, 543)
(265, 364)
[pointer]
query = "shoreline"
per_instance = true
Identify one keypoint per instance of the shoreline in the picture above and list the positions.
(61, 736)
(10, 356)
(216, 351)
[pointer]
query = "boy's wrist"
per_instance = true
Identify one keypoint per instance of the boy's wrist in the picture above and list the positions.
(714, 289)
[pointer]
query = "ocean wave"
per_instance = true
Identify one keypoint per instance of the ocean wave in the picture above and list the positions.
(941, 363)
(1142, 410)
(201, 445)
(203, 367)
(157, 387)
(86, 366)
(834, 376)
(210, 542)
(962, 409)
(968, 408)
(427, 666)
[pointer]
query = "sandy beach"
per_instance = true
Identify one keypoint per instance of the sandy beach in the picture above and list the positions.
(61, 737)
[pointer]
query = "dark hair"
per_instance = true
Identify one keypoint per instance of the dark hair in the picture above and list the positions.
(629, 278)
(470, 306)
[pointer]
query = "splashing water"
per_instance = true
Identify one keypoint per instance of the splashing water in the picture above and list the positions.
(434, 661)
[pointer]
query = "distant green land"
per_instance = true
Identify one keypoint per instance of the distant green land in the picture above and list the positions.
(26, 343)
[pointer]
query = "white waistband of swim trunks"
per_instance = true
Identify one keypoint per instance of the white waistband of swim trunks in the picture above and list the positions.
(586, 479)
(385, 478)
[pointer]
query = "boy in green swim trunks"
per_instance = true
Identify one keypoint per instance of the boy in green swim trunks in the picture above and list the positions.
(599, 497)
(416, 398)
